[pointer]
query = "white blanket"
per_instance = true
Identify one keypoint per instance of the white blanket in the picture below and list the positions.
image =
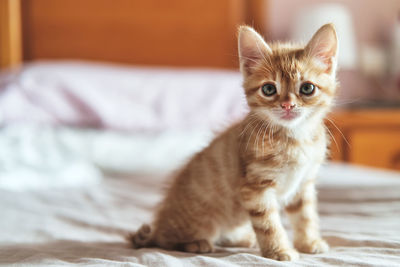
(42, 157)
(359, 210)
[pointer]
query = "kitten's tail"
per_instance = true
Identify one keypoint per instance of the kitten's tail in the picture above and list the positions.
(142, 237)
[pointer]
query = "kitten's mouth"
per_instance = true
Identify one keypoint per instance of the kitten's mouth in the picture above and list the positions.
(288, 115)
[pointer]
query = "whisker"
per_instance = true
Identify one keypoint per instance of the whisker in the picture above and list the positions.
(247, 126)
(271, 135)
(346, 102)
(257, 136)
(263, 141)
(330, 133)
(253, 118)
(251, 134)
(337, 128)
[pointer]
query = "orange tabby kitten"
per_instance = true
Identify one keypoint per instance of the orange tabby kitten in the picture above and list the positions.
(231, 192)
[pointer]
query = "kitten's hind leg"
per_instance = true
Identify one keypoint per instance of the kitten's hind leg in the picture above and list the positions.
(198, 246)
(241, 236)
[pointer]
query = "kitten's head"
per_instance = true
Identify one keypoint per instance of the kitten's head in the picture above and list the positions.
(288, 84)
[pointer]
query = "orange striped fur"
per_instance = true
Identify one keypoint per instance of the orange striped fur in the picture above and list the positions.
(231, 193)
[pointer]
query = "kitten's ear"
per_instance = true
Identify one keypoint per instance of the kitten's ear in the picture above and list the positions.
(252, 49)
(323, 46)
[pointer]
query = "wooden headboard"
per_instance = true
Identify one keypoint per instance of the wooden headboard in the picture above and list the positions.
(143, 32)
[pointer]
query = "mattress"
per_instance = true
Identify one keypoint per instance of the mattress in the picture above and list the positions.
(87, 150)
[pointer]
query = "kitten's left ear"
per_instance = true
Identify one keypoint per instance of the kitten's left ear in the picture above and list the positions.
(323, 47)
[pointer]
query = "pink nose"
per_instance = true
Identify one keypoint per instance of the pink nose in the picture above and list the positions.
(288, 105)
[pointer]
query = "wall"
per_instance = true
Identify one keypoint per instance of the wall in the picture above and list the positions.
(372, 18)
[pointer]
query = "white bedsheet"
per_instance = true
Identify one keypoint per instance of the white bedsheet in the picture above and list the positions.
(359, 207)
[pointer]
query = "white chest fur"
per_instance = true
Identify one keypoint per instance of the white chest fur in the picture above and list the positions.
(303, 164)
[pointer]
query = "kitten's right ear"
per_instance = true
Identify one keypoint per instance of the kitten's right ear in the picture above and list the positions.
(323, 46)
(252, 49)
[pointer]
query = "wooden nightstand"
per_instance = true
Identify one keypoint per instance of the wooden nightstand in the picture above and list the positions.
(373, 136)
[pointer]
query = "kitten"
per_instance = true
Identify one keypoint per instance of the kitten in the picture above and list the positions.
(230, 193)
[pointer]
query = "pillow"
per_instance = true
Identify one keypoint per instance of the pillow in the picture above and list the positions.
(120, 97)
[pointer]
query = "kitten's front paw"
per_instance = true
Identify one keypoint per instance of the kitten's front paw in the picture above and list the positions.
(312, 246)
(287, 254)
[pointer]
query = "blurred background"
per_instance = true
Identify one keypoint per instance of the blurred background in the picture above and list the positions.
(129, 85)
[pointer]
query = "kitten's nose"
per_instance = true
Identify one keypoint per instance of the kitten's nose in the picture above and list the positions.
(288, 105)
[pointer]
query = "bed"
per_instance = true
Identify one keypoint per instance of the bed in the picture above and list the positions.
(73, 183)
(87, 147)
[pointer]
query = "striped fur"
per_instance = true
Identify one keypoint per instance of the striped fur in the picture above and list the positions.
(231, 193)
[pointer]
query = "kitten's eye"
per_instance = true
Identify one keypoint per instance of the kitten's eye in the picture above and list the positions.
(307, 88)
(268, 89)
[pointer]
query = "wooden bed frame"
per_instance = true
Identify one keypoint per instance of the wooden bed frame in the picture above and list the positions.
(197, 33)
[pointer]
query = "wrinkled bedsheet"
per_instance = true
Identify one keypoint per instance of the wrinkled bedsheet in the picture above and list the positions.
(359, 207)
